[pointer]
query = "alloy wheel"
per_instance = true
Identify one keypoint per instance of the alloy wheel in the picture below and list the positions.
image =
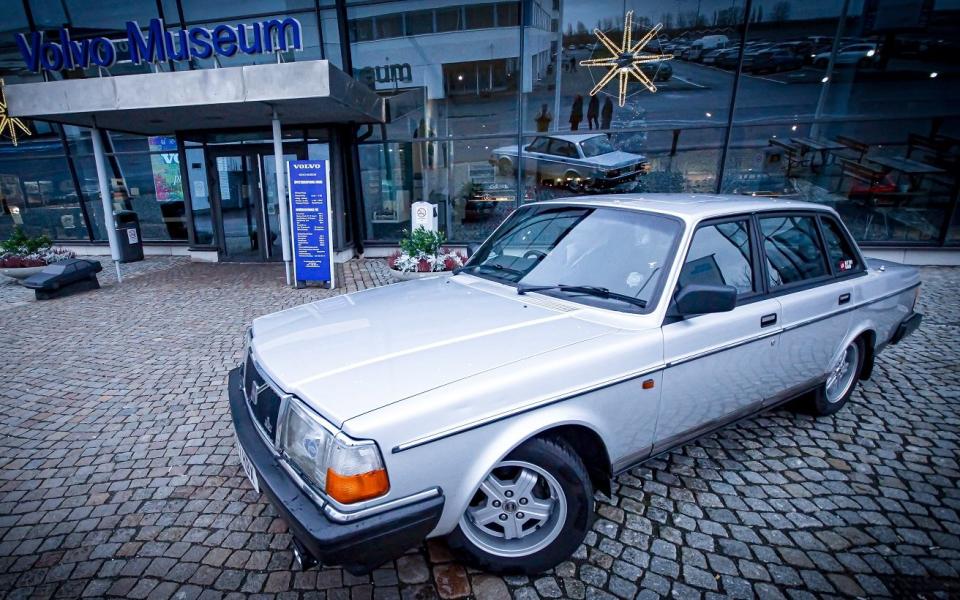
(519, 509)
(843, 374)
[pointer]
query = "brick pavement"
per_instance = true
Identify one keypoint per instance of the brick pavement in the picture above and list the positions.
(118, 478)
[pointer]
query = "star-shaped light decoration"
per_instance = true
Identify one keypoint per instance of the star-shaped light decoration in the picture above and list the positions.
(625, 59)
(9, 125)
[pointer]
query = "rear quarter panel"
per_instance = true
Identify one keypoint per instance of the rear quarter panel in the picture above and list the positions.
(885, 297)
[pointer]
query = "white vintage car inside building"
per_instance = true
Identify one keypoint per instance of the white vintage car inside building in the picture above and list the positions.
(582, 338)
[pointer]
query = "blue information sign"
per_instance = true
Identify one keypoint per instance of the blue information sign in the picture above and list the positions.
(310, 220)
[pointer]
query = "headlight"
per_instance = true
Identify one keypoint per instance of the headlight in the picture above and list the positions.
(346, 470)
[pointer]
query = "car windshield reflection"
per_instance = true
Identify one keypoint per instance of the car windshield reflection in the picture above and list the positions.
(574, 251)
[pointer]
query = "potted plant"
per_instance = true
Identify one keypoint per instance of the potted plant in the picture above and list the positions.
(422, 254)
(21, 256)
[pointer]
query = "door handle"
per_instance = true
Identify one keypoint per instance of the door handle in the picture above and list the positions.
(767, 320)
(844, 298)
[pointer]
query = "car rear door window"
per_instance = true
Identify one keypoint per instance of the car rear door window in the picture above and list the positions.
(563, 148)
(720, 255)
(792, 249)
(841, 255)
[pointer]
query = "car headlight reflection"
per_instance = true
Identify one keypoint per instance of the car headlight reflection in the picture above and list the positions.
(347, 470)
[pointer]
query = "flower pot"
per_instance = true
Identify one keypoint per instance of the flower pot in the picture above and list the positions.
(410, 275)
(22, 272)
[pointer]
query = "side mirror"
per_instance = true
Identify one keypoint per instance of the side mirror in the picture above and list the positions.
(700, 299)
(472, 249)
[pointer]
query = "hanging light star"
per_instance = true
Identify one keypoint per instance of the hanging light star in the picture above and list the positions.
(9, 125)
(625, 59)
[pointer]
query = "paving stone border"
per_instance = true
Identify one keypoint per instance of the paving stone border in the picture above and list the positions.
(118, 476)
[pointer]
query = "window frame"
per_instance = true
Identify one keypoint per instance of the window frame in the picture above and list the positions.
(803, 284)
(759, 287)
(861, 269)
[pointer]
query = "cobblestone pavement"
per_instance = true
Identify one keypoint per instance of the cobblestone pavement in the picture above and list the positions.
(13, 294)
(118, 475)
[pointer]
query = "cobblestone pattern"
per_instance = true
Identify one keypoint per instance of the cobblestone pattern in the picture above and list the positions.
(118, 475)
(13, 294)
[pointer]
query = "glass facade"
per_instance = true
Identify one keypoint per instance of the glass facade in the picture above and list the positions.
(842, 102)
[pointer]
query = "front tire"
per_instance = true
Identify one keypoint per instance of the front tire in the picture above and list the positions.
(530, 513)
(505, 166)
(841, 381)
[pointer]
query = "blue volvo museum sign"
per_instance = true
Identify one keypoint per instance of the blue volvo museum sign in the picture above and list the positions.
(310, 214)
(157, 44)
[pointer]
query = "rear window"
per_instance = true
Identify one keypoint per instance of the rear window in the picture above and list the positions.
(841, 255)
(792, 249)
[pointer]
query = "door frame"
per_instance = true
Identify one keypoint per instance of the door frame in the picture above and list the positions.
(257, 152)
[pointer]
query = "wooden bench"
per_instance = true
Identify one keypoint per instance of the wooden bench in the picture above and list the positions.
(862, 173)
(851, 146)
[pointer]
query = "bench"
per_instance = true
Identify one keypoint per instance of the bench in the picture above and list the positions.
(851, 148)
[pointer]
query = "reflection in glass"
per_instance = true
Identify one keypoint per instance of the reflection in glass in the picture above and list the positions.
(37, 192)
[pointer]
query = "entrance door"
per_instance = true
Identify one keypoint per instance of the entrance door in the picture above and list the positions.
(244, 180)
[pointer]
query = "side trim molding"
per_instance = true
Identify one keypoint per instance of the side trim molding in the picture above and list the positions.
(533, 405)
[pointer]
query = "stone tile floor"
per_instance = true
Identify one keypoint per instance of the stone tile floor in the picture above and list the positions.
(118, 475)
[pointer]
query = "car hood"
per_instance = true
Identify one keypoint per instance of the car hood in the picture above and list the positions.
(352, 354)
(615, 159)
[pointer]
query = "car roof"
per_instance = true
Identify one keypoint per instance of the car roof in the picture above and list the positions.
(573, 137)
(691, 207)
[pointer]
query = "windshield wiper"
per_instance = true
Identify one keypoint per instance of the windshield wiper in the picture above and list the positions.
(590, 290)
(493, 266)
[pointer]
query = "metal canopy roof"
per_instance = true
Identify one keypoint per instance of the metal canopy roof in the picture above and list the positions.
(157, 103)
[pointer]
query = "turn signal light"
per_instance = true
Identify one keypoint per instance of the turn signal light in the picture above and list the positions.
(355, 488)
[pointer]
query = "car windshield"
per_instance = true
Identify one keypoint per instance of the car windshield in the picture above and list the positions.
(596, 146)
(621, 255)
(55, 269)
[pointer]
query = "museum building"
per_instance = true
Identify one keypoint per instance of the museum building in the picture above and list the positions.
(187, 112)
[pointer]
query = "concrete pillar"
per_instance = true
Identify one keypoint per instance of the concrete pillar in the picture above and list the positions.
(106, 199)
(282, 194)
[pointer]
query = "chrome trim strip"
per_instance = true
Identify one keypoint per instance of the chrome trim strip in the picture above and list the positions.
(533, 405)
(347, 517)
(847, 309)
(723, 347)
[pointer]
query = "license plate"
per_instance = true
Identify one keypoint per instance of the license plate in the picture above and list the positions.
(247, 467)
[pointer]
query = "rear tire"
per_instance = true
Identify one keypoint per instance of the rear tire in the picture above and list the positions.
(548, 478)
(841, 381)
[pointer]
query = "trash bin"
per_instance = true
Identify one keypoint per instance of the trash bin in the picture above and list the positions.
(128, 236)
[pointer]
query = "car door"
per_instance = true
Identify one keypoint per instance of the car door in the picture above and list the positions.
(533, 155)
(718, 366)
(563, 155)
(814, 301)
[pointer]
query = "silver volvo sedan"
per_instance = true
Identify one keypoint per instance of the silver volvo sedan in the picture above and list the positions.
(582, 338)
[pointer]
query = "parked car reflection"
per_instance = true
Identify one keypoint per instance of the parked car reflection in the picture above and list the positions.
(574, 161)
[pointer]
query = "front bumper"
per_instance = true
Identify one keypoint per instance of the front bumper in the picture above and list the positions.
(360, 545)
(906, 327)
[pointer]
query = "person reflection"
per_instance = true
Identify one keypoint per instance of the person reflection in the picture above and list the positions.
(576, 113)
(543, 118)
(593, 111)
(606, 115)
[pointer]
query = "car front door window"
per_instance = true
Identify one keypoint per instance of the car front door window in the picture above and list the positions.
(720, 255)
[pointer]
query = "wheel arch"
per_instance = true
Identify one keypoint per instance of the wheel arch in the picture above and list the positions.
(591, 449)
(869, 337)
(574, 429)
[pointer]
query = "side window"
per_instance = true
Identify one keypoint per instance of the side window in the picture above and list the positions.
(792, 249)
(839, 251)
(562, 148)
(720, 255)
(539, 145)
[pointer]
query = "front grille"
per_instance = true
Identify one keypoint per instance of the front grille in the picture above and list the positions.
(264, 402)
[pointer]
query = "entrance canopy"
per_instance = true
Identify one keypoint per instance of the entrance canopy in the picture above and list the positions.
(308, 92)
